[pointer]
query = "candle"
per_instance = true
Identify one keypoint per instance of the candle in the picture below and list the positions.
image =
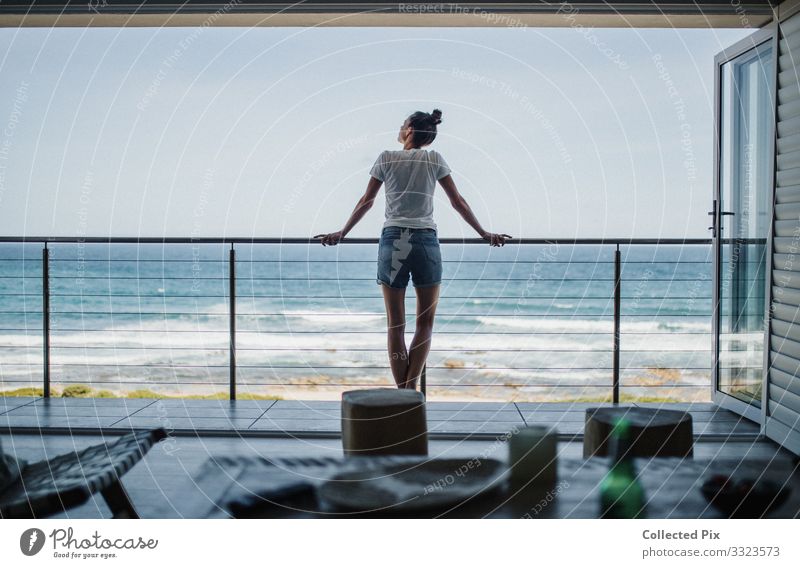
(532, 456)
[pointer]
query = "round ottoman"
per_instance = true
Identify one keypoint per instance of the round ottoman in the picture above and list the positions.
(384, 421)
(655, 432)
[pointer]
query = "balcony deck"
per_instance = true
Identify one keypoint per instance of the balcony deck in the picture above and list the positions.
(295, 418)
(168, 482)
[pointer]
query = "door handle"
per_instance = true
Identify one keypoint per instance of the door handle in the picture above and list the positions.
(724, 213)
(713, 214)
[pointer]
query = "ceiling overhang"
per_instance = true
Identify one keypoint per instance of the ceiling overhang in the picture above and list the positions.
(248, 13)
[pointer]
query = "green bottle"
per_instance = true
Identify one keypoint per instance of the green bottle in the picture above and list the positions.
(621, 492)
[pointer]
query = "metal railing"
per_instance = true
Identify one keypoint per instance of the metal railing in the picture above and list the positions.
(458, 284)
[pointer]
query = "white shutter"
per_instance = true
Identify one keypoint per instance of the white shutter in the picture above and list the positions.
(782, 389)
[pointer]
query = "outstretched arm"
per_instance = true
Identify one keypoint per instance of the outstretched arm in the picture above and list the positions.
(460, 204)
(364, 204)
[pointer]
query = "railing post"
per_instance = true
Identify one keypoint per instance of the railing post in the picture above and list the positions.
(46, 320)
(617, 282)
(232, 295)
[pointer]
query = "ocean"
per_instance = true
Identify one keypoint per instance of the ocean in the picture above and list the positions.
(521, 322)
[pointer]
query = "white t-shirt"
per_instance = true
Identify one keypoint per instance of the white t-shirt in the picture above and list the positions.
(410, 177)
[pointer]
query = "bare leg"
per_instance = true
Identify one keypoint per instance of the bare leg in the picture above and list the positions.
(395, 301)
(427, 300)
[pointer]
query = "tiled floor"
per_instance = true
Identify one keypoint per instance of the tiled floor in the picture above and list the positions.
(269, 417)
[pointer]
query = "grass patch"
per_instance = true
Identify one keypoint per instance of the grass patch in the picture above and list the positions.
(77, 391)
(622, 398)
(27, 391)
(85, 391)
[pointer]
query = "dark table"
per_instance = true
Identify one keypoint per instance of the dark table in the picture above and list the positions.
(672, 487)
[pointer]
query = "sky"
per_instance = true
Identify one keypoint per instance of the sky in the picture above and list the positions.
(271, 132)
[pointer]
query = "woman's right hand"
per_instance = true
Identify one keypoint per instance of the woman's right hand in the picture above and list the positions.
(330, 239)
(495, 239)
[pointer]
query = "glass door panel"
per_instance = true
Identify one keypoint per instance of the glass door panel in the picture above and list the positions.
(744, 209)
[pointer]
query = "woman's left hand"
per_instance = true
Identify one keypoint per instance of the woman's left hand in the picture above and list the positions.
(331, 239)
(495, 239)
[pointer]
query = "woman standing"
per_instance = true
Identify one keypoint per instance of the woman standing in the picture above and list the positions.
(409, 243)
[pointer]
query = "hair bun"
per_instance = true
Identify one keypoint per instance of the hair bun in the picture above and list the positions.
(436, 115)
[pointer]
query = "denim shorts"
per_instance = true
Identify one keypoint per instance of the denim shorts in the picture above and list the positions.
(404, 251)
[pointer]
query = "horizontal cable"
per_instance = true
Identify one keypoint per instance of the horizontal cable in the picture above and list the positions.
(146, 383)
(372, 260)
(23, 312)
(138, 278)
(329, 314)
(376, 298)
(665, 386)
(363, 261)
(520, 298)
(376, 349)
(137, 296)
(256, 279)
(141, 260)
(84, 313)
(276, 332)
(333, 314)
(598, 241)
(553, 298)
(327, 332)
(313, 279)
(316, 332)
(352, 367)
(663, 300)
(357, 384)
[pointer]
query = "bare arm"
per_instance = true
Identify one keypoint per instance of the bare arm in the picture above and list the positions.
(460, 204)
(364, 204)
